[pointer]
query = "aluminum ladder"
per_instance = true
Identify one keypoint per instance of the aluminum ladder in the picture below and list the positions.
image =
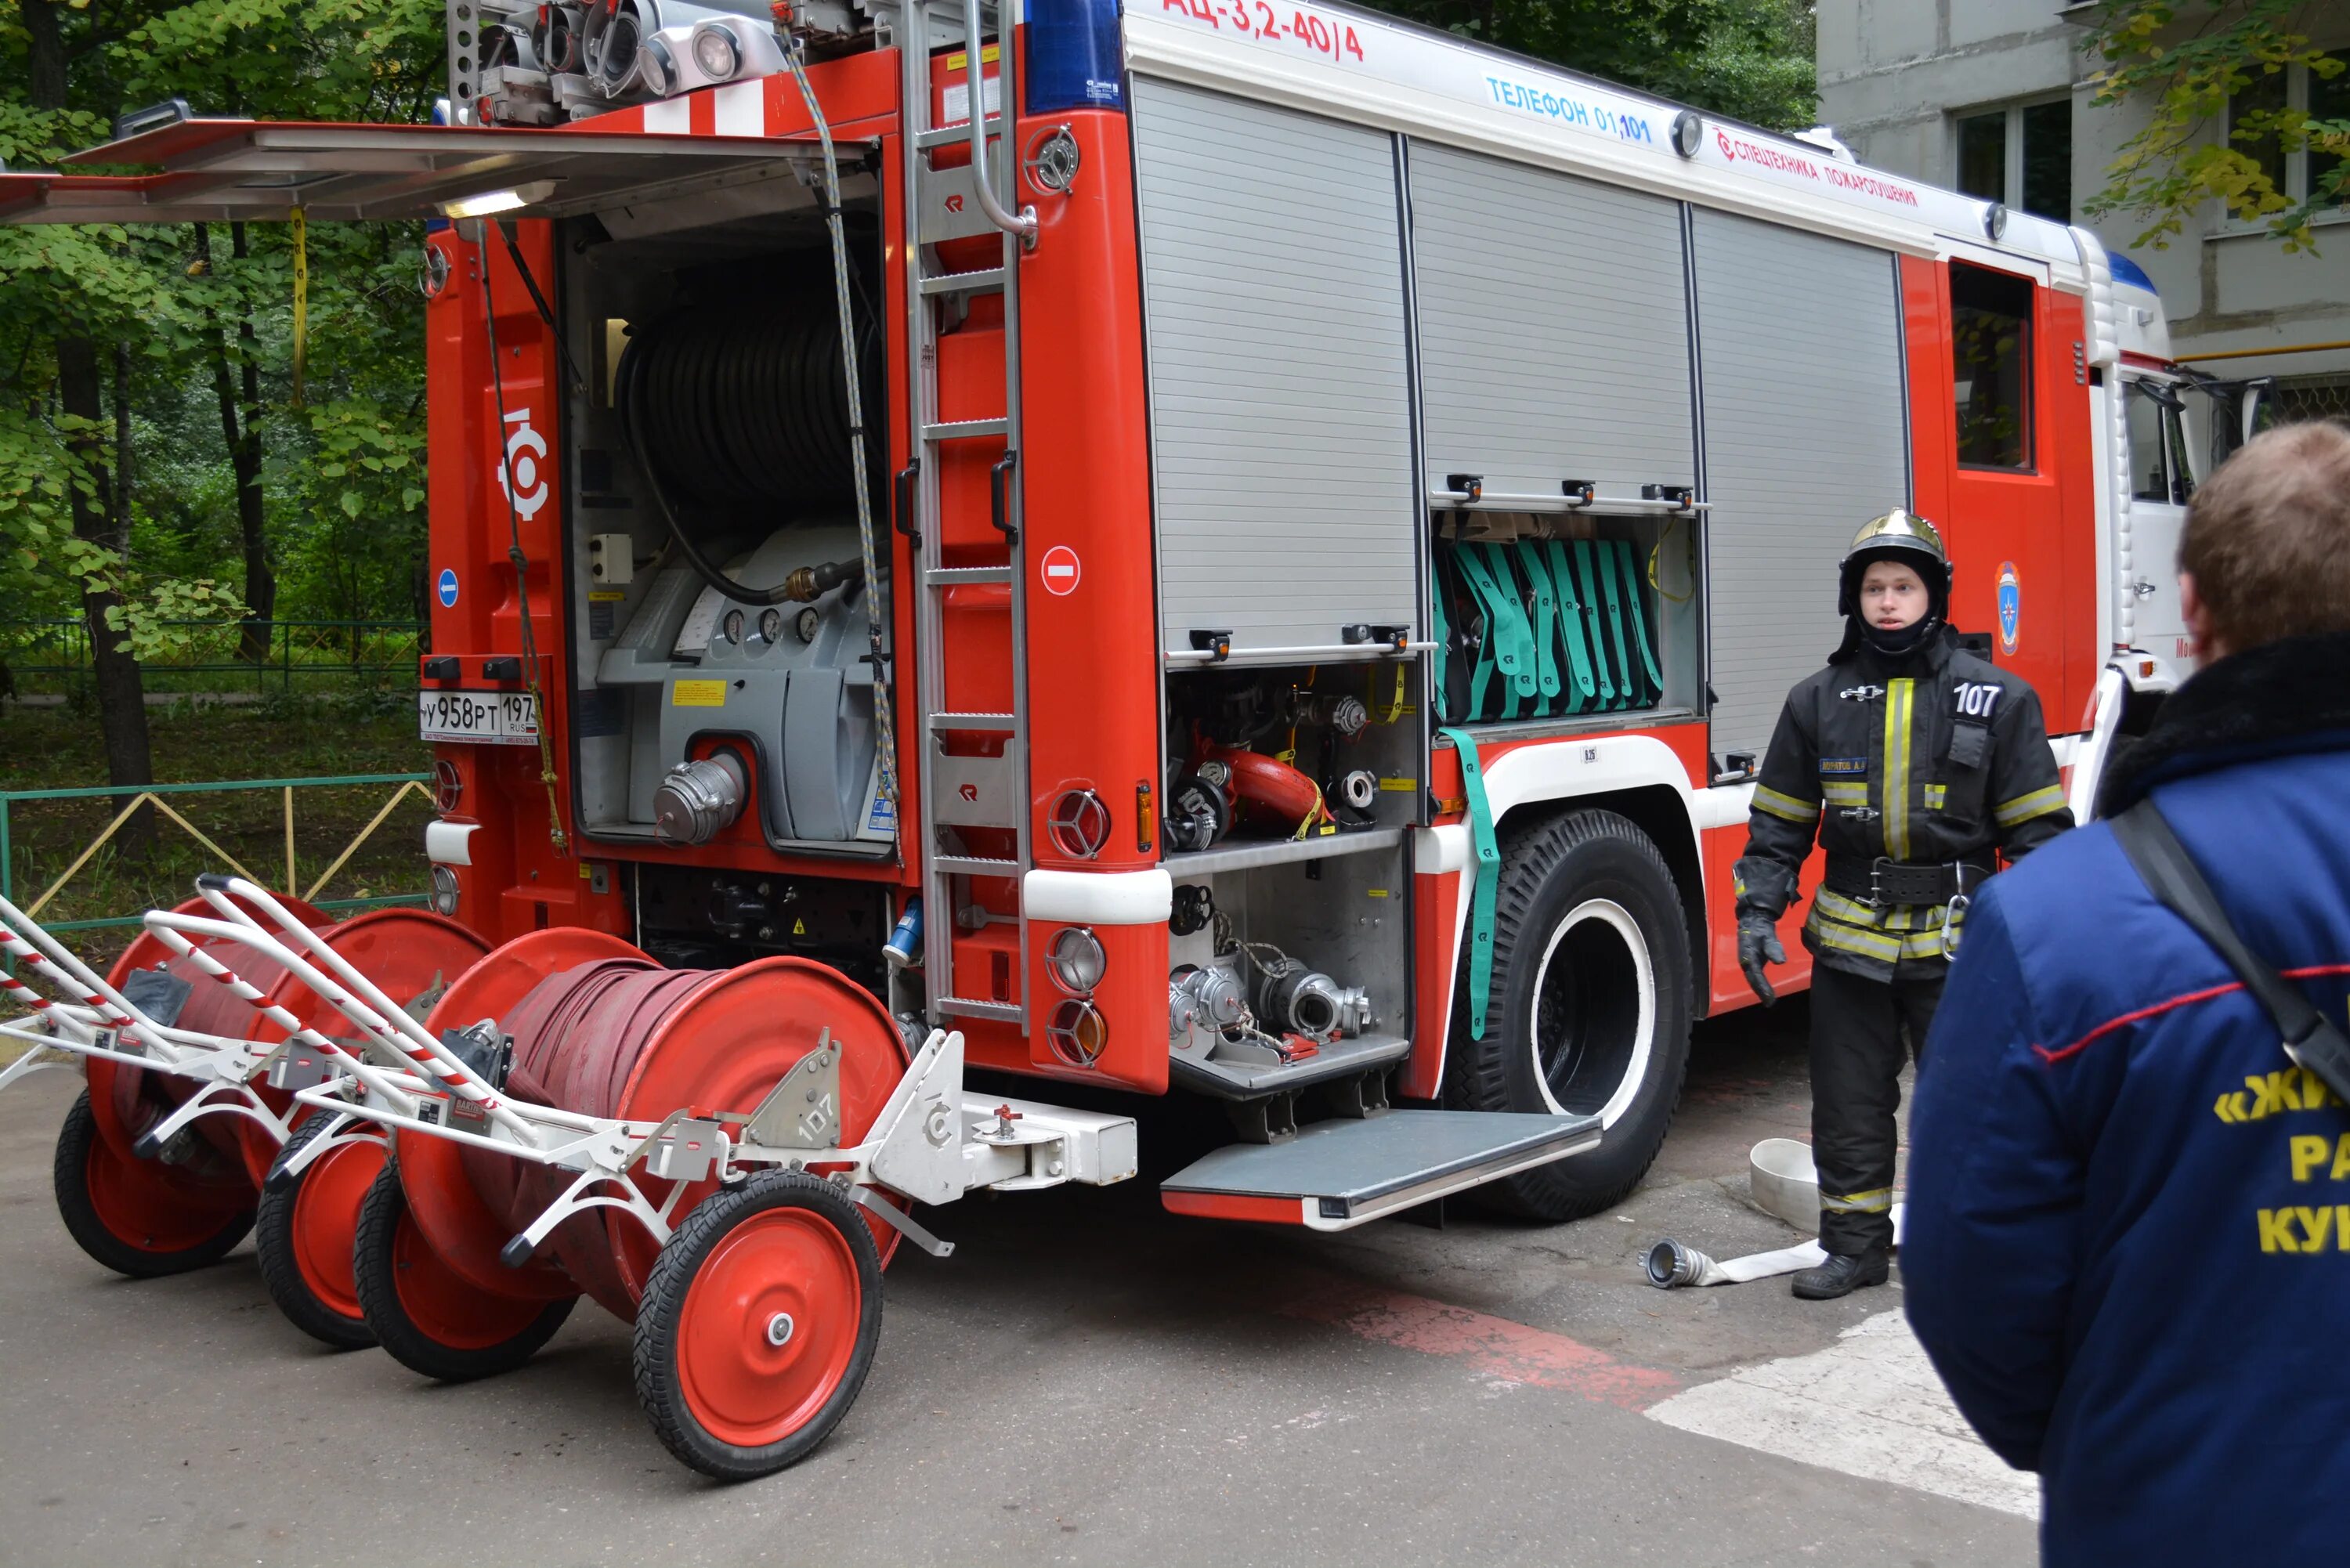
(963, 792)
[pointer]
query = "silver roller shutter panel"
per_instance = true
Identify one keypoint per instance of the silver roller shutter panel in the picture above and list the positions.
(1554, 327)
(1806, 438)
(1281, 420)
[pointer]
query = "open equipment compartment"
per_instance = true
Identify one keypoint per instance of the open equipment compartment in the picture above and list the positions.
(1567, 615)
(1289, 795)
(707, 334)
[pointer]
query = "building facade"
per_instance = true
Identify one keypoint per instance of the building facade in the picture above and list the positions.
(1993, 97)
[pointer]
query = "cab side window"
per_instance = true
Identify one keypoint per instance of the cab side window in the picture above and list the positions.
(2149, 461)
(2158, 447)
(1991, 327)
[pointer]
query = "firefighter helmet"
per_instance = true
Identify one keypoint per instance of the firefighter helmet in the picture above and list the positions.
(1903, 536)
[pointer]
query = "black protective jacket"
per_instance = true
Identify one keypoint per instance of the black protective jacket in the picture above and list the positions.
(1936, 759)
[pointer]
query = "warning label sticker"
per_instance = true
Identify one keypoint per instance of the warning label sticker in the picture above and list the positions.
(697, 694)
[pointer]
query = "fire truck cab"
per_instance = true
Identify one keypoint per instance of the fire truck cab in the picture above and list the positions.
(1227, 548)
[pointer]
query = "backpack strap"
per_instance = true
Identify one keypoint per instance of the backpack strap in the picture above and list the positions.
(2310, 1038)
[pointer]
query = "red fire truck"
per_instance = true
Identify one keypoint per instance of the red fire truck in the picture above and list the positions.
(1273, 591)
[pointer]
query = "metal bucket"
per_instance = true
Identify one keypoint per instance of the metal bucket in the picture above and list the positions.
(1785, 1183)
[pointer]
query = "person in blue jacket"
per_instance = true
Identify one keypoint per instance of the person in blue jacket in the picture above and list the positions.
(2127, 1243)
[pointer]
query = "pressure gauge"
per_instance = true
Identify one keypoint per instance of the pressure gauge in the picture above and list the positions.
(770, 625)
(809, 624)
(733, 626)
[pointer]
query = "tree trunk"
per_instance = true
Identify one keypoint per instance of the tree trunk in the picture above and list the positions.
(240, 434)
(45, 55)
(104, 520)
(121, 693)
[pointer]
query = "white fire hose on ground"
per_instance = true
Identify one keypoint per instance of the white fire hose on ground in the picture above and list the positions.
(1786, 1185)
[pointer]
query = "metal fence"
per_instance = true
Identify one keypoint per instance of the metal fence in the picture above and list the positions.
(287, 875)
(54, 655)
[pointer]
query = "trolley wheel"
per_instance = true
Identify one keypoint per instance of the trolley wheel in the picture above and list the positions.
(758, 1325)
(138, 1216)
(1590, 1007)
(422, 1312)
(304, 1230)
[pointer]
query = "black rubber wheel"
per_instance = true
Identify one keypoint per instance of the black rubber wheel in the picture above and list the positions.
(758, 1325)
(429, 1318)
(1589, 1011)
(300, 1223)
(137, 1217)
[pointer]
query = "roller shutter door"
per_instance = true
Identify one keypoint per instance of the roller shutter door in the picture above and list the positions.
(1281, 420)
(1554, 327)
(1806, 438)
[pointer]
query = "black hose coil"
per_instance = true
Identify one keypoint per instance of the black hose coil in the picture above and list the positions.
(733, 408)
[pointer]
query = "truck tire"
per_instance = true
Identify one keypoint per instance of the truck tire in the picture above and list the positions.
(1590, 1010)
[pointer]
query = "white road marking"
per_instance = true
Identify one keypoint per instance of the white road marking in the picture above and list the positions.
(1870, 1406)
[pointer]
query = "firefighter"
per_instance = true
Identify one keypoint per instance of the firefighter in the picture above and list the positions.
(1912, 761)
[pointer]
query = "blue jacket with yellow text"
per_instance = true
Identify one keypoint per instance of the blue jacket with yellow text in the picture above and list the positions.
(2127, 1243)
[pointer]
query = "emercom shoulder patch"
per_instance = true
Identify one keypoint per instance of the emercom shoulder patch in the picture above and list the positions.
(1833, 767)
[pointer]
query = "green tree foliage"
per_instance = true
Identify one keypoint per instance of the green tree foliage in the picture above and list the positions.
(2181, 61)
(339, 476)
(329, 494)
(1751, 59)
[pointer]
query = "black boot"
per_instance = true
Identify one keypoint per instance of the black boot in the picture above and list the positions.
(1841, 1275)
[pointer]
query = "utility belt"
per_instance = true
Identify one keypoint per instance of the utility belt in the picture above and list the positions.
(1886, 881)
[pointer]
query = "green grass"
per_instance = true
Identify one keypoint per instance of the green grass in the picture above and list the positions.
(53, 748)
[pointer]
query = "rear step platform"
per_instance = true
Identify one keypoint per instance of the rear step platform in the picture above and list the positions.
(1336, 1175)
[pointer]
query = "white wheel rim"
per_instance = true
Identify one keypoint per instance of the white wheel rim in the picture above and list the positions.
(1613, 916)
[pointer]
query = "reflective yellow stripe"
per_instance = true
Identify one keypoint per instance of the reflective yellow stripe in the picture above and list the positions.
(2024, 807)
(1832, 933)
(1923, 944)
(1855, 793)
(1876, 1201)
(1898, 705)
(1837, 907)
(1935, 795)
(1786, 805)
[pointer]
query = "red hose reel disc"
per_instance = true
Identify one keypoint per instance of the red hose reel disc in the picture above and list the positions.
(604, 1031)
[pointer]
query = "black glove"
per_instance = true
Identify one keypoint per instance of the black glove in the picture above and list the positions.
(1758, 938)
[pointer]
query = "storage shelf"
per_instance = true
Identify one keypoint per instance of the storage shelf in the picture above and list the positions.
(1236, 1081)
(1243, 856)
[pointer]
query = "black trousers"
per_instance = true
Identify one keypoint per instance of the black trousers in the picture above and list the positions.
(1857, 1025)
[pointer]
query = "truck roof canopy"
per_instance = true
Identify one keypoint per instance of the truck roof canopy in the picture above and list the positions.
(215, 170)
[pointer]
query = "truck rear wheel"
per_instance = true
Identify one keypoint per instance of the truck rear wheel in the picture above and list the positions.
(1589, 1011)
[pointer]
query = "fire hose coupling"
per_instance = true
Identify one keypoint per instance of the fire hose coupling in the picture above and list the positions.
(807, 583)
(1310, 1002)
(699, 800)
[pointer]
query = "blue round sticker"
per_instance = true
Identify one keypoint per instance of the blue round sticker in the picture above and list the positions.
(448, 587)
(2011, 606)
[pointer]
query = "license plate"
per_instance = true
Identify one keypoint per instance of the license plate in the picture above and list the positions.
(488, 718)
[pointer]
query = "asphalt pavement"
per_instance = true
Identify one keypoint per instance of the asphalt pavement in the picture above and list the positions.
(1090, 1379)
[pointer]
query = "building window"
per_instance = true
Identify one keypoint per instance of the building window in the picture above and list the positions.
(2300, 174)
(1991, 332)
(2022, 155)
